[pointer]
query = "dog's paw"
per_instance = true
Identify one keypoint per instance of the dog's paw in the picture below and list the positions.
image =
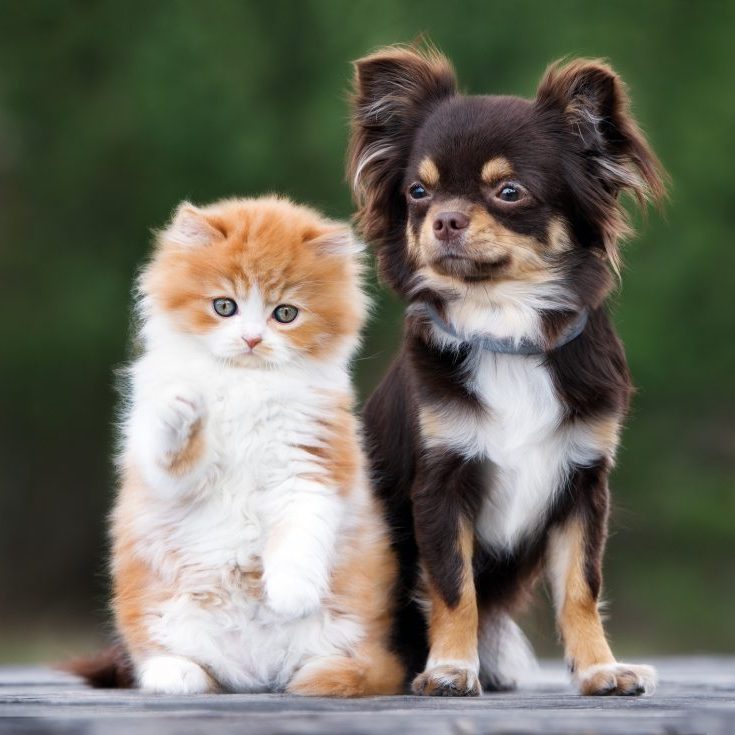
(174, 675)
(616, 679)
(447, 681)
(179, 410)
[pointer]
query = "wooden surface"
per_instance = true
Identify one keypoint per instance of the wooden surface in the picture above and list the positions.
(695, 695)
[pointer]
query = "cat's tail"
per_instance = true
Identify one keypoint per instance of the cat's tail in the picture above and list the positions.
(110, 668)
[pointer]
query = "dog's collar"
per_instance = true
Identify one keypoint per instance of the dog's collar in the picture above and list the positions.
(506, 345)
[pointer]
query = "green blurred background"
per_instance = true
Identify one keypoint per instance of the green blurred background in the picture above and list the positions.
(111, 113)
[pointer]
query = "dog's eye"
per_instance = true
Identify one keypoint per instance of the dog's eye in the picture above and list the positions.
(417, 191)
(225, 307)
(510, 192)
(285, 313)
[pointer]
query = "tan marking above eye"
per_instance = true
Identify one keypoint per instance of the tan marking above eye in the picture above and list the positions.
(496, 169)
(428, 173)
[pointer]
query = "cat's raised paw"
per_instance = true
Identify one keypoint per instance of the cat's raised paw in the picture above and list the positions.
(180, 409)
(616, 679)
(447, 681)
(290, 596)
(174, 675)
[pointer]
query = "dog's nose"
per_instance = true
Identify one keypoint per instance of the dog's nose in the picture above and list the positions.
(450, 224)
(252, 342)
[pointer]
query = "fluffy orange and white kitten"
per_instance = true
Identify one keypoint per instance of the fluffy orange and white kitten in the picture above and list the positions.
(247, 552)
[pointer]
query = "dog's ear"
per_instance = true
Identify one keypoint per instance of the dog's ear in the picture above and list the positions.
(394, 89)
(594, 102)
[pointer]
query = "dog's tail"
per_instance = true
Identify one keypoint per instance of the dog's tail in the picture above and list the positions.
(110, 668)
(506, 656)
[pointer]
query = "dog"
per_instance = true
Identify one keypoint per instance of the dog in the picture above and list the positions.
(498, 220)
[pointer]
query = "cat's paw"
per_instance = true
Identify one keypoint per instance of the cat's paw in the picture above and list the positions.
(290, 596)
(447, 681)
(174, 675)
(616, 679)
(179, 410)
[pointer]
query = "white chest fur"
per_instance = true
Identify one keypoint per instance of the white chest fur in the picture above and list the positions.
(254, 421)
(206, 538)
(530, 449)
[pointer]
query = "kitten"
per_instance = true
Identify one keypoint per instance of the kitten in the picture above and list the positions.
(248, 554)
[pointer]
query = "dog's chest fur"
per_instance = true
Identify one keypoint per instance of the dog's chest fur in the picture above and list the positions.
(529, 447)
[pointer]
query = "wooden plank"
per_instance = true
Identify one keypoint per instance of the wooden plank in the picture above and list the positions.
(696, 695)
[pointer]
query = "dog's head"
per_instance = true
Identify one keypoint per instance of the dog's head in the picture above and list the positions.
(463, 195)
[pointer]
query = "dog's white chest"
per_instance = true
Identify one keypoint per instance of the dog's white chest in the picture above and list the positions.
(522, 436)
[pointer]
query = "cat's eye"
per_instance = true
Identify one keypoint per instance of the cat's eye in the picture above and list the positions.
(285, 313)
(225, 307)
(510, 192)
(417, 191)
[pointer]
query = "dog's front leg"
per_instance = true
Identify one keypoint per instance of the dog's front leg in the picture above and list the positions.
(445, 537)
(574, 561)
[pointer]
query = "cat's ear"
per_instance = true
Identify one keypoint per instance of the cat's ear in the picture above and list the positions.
(190, 227)
(337, 239)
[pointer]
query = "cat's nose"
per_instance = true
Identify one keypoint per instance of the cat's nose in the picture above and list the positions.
(252, 342)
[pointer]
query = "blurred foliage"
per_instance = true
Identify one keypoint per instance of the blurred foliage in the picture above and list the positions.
(111, 113)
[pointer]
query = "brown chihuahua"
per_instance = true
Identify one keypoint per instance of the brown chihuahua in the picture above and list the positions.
(498, 220)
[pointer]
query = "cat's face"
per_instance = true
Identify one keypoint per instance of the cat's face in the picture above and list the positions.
(258, 281)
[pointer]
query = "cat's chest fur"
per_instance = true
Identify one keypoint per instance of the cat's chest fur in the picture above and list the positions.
(246, 428)
(254, 425)
(209, 543)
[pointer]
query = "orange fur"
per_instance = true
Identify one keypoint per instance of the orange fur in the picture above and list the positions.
(182, 461)
(292, 255)
(339, 450)
(137, 589)
(282, 247)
